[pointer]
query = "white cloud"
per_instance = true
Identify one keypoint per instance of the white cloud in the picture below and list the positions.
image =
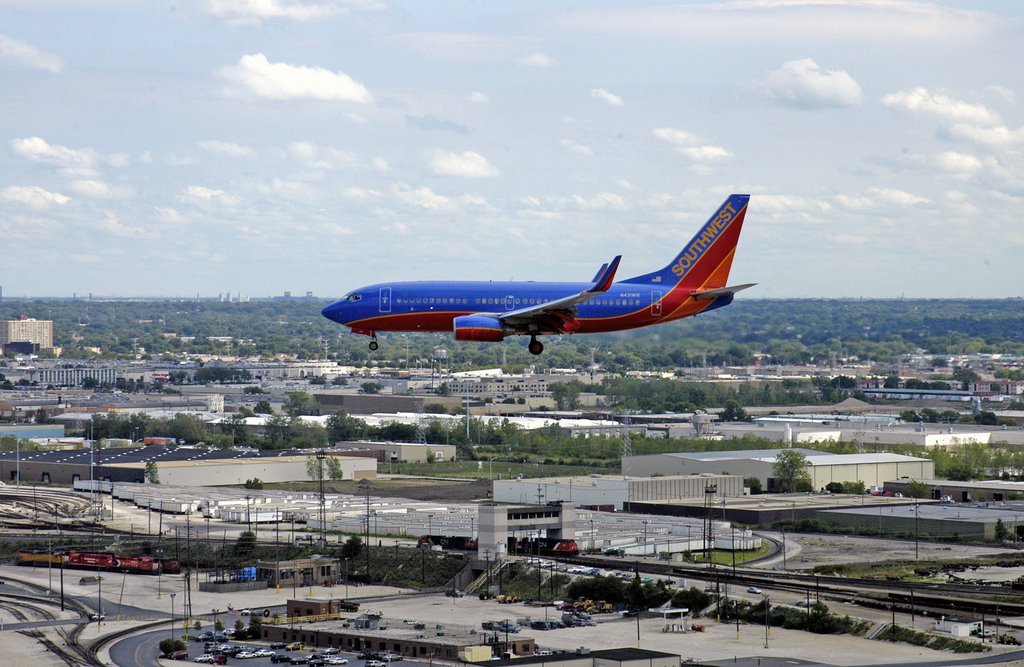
(280, 81)
(39, 150)
(469, 164)
(945, 107)
(32, 196)
(802, 83)
(255, 11)
(690, 145)
(98, 189)
(539, 60)
(959, 163)
(16, 51)
(608, 98)
(111, 224)
(875, 198)
(603, 201)
(423, 197)
(574, 147)
(476, 97)
(360, 194)
(998, 135)
(226, 149)
(315, 157)
(198, 194)
(898, 197)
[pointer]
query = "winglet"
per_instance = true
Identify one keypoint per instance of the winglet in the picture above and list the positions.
(606, 276)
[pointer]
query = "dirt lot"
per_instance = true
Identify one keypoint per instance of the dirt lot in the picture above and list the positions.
(811, 550)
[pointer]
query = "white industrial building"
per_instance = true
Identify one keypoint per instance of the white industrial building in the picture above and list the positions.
(612, 492)
(874, 469)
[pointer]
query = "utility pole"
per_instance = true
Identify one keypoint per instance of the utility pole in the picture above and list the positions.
(321, 458)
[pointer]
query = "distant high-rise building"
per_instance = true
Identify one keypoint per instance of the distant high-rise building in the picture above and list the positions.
(27, 330)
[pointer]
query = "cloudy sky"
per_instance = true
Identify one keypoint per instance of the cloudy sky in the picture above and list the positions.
(150, 147)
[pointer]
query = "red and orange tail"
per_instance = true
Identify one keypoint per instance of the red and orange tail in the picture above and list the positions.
(704, 262)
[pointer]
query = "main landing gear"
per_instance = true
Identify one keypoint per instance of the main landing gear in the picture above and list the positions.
(535, 346)
(373, 342)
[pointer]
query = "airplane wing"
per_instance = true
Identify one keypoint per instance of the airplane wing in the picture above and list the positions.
(712, 294)
(557, 314)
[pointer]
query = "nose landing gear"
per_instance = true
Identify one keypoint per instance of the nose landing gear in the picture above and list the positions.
(535, 346)
(373, 342)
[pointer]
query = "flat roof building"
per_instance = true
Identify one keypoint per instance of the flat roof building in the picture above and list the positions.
(874, 469)
(613, 492)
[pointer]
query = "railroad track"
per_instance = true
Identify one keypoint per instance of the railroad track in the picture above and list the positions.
(880, 593)
(70, 652)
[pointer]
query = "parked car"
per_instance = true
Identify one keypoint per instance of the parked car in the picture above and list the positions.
(375, 663)
(299, 660)
(391, 657)
(454, 593)
(755, 590)
(262, 653)
(280, 657)
(245, 655)
(206, 658)
(179, 655)
(97, 617)
(278, 644)
(335, 660)
(332, 650)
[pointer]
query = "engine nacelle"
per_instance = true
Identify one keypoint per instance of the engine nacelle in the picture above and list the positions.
(479, 328)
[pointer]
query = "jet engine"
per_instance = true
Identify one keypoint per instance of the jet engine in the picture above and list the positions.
(479, 328)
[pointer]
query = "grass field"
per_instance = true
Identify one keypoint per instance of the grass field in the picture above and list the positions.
(488, 469)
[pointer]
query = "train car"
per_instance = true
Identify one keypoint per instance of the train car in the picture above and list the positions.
(170, 566)
(138, 564)
(38, 558)
(99, 561)
(458, 542)
(542, 546)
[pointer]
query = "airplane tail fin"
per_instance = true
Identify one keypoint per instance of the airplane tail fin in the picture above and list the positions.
(704, 262)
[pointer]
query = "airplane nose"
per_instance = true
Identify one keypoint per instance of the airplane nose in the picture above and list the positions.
(333, 312)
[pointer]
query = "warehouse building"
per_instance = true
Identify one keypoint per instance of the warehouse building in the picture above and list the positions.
(612, 492)
(873, 469)
(185, 466)
(993, 490)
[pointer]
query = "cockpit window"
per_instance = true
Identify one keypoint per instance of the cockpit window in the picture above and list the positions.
(353, 297)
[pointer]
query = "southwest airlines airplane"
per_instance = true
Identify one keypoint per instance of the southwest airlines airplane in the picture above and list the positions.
(693, 282)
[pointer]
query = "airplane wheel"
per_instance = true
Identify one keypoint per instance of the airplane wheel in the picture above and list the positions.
(373, 345)
(535, 346)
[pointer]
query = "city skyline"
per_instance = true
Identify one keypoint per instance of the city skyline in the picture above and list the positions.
(318, 145)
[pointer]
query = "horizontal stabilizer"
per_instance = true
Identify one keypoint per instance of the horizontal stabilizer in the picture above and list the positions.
(712, 294)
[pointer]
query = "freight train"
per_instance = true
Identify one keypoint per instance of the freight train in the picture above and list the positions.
(99, 561)
(532, 546)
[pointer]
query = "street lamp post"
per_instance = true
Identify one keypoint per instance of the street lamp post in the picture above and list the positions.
(767, 604)
(172, 616)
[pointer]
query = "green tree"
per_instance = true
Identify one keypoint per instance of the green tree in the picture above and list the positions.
(370, 388)
(734, 412)
(245, 545)
(791, 471)
(916, 489)
(300, 403)
(255, 627)
(151, 473)
(342, 427)
(752, 483)
(566, 394)
(263, 407)
(352, 547)
(169, 646)
(1002, 532)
